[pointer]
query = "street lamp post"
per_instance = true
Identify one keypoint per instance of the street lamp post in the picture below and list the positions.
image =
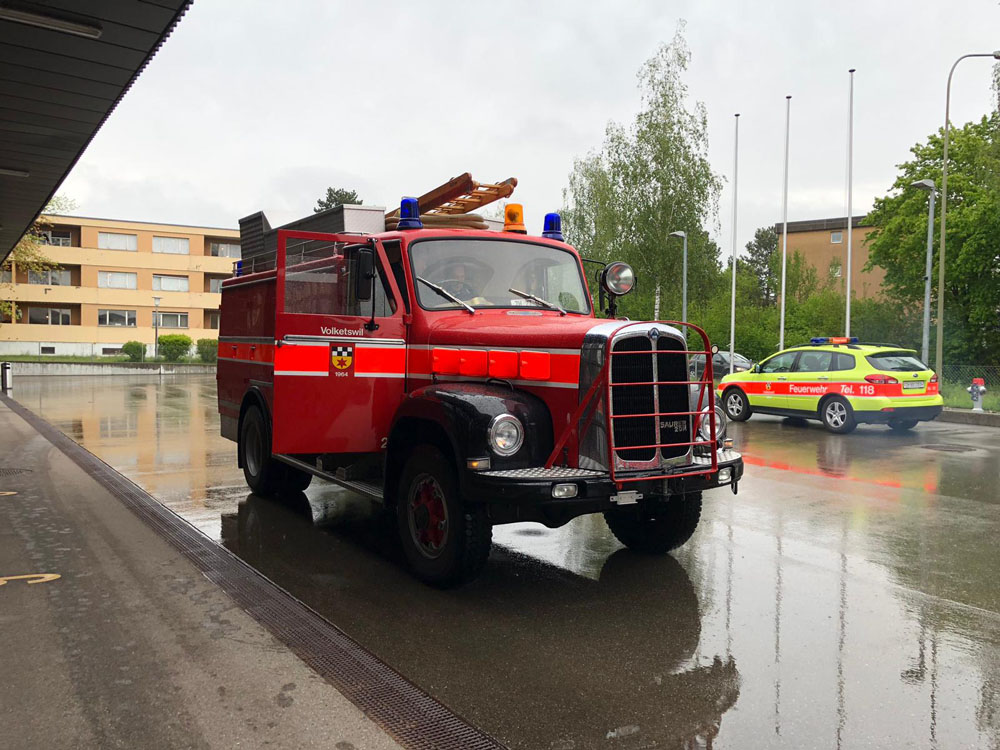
(927, 185)
(156, 327)
(732, 308)
(939, 346)
(684, 273)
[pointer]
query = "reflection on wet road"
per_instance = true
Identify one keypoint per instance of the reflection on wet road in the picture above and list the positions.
(846, 597)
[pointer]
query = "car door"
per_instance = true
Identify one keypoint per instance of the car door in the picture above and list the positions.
(340, 360)
(810, 380)
(772, 381)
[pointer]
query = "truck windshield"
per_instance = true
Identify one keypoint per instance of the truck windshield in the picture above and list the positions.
(481, 273)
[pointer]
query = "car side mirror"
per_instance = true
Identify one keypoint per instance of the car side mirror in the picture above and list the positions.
(365, 273)
(755, 369)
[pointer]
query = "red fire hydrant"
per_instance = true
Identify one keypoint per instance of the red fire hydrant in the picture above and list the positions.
(976, 390)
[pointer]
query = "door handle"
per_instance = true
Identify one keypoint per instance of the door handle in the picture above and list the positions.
(780, 377)
(822, 377)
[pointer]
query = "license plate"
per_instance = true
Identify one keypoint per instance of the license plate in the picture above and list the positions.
(910, 384)
(626, 498)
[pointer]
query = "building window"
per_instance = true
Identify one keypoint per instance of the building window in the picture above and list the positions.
(215, 285)
(173, 320)
(172, 245)
(111, 350)
(50, 277)
(170, 284)
(48, 350)
(224, 250)
(116, 318)
(836, 237)
(59, 239)
(212, 319)
(6, 276)
(116, 280)
(115, 241)
(51, 316)
(836, 269)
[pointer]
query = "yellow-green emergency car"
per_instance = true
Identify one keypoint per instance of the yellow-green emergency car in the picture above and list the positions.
(838, 381)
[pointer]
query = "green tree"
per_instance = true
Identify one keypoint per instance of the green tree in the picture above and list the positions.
(173, 346)
(648, 179)
(972, 276)
(337, 197)
(29, 255)
(763, 262)
(208, 350)
(134, 350)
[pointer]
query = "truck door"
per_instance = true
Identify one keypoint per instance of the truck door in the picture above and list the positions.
(340, 359)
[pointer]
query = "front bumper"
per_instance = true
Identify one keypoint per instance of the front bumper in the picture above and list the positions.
(526, 494)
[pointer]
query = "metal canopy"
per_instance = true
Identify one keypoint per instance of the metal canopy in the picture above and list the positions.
(64, 66)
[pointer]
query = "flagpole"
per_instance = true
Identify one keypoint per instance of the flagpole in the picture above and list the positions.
(850, 196)
(784, 224)
(732, 312)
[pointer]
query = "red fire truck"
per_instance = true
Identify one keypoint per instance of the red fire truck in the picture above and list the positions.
(461, 377)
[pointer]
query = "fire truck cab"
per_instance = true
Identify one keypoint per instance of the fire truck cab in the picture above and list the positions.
(461, 377)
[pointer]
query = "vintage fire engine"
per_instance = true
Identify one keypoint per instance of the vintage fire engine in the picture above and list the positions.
(460, 376)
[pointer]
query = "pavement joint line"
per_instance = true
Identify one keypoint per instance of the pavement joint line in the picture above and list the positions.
(409, 715)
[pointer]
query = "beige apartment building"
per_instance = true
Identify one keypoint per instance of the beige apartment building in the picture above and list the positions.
(823, 244)
(113, 276)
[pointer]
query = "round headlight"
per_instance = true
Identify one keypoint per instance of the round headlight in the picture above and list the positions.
(705, 424)
(506, 435)
(618, 278)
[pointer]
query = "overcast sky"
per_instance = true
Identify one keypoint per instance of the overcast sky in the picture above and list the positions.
(261, 105)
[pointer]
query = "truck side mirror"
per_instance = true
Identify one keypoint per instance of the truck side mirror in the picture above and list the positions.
(365, 273)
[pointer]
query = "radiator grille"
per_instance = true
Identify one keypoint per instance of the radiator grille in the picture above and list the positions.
(672, 398)
(633, 399)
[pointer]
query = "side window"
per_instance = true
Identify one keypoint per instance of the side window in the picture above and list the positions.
(842, 362)
(814, 362)
(779, 363)
(326, 286)
(394, 252)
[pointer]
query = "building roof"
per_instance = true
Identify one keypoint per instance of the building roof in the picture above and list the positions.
(128, 223)
(816, 225)
(64, 66)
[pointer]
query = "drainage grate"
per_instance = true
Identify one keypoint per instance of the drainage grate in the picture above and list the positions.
(6, 471)
(412, 717)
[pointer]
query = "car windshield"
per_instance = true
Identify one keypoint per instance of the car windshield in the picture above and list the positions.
(481, 273)
(740, 361)
(896, 361)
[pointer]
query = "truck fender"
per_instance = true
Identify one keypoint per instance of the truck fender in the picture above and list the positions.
(455, 417)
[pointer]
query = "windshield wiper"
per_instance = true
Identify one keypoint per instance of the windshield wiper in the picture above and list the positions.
(539, 300)
(448, 295)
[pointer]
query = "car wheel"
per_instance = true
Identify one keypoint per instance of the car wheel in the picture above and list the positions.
(446, 540)
(736, 404)
(658, 525)
(837, 415)
(902, 425)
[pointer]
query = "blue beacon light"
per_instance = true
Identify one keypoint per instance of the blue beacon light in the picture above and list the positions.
(552, 228)
(409, 214)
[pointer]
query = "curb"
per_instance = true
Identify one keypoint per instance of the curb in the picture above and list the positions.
(967, 416)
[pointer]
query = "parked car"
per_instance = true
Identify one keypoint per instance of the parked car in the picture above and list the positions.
(838, 381)
(720, 365)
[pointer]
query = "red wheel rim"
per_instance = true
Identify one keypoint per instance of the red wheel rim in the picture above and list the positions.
(427, 514)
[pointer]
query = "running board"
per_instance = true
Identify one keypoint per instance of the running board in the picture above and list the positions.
(369, 489)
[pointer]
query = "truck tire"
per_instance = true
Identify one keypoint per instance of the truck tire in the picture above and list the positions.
(657, 526)
(837, 415)
(265, 475)
(446, 540)
(736, 405)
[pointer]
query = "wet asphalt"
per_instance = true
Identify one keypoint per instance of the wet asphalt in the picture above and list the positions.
(847, 597)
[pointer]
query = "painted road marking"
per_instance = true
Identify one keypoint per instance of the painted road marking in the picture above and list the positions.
(39, 578)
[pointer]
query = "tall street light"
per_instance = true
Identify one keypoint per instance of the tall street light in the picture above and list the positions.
(850, 197)
(927, 185)
(784, 225)
(684, 272)
(156, 327)
(939, 347)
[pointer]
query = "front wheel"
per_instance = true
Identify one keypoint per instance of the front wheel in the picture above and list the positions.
(902, 425)
(737, 405)
(657, 526)
(838, 416)
(446, 541)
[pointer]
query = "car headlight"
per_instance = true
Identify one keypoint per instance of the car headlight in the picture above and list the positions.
(506, 435)
(705, 424)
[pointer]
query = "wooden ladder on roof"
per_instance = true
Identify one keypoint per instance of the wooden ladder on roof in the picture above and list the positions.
(460, 195)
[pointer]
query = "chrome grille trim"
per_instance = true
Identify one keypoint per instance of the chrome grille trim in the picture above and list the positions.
(540, 472)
